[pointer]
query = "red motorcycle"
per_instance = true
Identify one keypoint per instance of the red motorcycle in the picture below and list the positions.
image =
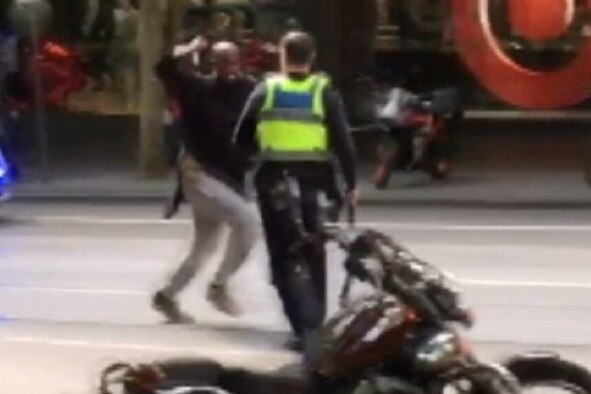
(420, 129)
(62, 72)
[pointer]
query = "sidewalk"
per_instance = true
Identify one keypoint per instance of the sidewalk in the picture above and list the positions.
(464, 188)
(479, 188)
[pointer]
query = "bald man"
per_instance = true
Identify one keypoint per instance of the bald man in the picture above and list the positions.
(212, 170)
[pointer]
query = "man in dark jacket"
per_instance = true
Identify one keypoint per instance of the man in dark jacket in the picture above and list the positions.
(212, 173)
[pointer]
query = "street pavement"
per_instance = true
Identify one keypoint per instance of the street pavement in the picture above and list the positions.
(76, 279)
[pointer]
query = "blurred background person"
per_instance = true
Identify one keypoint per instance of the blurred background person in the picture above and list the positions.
(101, 33)
(124, 53)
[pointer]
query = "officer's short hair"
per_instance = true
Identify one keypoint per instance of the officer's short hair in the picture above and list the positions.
(299, 47)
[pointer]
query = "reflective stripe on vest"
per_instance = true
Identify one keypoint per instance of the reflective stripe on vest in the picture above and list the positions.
(289, 114)
(292, 117)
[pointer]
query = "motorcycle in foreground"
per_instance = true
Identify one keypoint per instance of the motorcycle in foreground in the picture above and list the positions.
(406, 335)
(420, 133)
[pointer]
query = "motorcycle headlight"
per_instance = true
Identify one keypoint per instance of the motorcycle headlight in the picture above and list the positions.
(438, 351)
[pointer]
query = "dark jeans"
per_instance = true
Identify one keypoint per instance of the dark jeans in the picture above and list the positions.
(298, 267)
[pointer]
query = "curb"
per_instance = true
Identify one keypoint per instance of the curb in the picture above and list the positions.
(480, 204)
(371, 201)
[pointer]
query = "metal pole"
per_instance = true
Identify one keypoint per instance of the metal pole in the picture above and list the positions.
(152, 18)
(40, 119)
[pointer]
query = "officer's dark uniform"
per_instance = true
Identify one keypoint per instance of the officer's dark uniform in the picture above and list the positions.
(296, 123)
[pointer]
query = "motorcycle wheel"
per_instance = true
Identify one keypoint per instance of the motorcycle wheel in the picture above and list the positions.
(551, 373)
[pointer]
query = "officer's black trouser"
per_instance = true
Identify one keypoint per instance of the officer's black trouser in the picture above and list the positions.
(298, 273)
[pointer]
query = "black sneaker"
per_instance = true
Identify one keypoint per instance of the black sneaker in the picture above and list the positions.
(170, 309)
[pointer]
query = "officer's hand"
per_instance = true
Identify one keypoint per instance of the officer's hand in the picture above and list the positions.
(353, 197)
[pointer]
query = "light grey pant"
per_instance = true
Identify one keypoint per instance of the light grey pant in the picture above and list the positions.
(214, 205)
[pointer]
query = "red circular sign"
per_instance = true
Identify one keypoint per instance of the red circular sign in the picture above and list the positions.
(540, 20)
(509, 81)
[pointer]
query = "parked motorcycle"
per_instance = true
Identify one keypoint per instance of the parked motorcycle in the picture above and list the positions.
(420, 131)
(404, 335)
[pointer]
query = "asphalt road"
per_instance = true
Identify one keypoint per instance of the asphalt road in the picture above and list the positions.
(75, 283)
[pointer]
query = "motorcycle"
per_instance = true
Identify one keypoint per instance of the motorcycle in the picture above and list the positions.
(421, 133)
(406, 335)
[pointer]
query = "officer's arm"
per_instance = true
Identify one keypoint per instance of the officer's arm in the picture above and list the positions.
(245, 131)
(341, 141)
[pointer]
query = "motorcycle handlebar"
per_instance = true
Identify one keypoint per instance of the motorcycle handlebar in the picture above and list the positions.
(386, 280)
(395, 286)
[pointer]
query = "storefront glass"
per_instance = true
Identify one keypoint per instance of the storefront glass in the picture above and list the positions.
(502, 53)
(505, 54)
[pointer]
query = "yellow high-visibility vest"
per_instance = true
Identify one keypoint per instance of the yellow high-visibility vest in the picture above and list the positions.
(292, 118)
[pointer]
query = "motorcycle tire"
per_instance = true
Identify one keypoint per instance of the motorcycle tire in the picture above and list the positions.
(551, 372)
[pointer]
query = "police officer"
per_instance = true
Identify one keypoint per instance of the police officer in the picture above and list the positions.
(296, 123)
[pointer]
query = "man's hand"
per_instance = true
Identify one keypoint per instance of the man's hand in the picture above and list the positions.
(196, 45)
(352, 200)
(199, 43)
